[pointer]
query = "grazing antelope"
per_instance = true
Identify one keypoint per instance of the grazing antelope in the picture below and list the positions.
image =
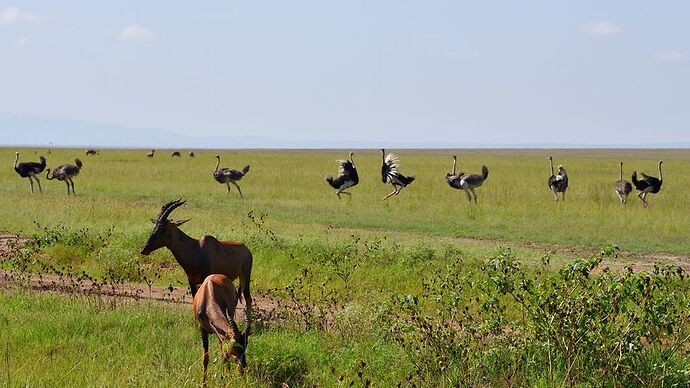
(191, 154)
(623, 187)
(466, 181)
(202, 257)
(390, 174)
(92, 151)
(65, 173)
(150, 154)
(647, 184)
(175, 154)
(214, 309)
(30, 170)
(558, 183)
(347, 176)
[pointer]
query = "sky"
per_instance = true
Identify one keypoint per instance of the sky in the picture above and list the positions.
(463, 72)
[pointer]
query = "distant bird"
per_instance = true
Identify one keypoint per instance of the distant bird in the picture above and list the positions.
(30, 170)
(227, 175)
(175, 154)
(65, 173)
(647, 184)
(150, 154)
(623, 187)
(466, 181)
(191, 154)
(92, 151)
(390, 173)
(347, 176)
(558, 183)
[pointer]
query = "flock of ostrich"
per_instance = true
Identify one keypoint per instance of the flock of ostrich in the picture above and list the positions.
(347, 177)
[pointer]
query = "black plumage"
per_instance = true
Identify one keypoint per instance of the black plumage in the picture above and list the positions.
(390, 173)
(466, 181)
(65, 173)
(646, 184)
(30, 170)
(229, 175)
(347, 176)
(558, 183)
(623, 187)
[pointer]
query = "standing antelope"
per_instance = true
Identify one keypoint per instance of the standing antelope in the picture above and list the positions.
(150, 154)
(91, 151)
(466, 181)
(623, 187)
(390, 174)
(202, 257)
(175, 154)
(558, 183)
(214, 309)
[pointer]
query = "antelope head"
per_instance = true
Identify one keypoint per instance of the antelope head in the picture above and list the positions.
(239, 346)
(163, 228)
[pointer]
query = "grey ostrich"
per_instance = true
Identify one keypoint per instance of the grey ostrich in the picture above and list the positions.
(228, 175)
(65, 173)
(623, 187)
(466, 181)
(646, 184)
(558, 183)
(347, 176)
(30, 170)
(390, 174)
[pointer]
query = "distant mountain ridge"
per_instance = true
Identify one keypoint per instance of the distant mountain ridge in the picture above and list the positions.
(21, 130)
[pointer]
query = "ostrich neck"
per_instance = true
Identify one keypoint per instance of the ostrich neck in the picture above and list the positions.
(661, 178)
(455, 161)
(217, 164)
(16, 160)
(551, 163)
(621, 171)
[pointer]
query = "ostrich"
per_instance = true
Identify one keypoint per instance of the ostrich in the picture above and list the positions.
(65, 173)
(347, 176)
(191, 154)
(647, 184)
(30, 170)
(558, 183)
(466, 181)
(175, 154)
(623, 187)
(227, 175)
(390, 174)
(150, 154)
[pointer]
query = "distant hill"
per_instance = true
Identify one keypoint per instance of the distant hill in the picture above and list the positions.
(20, 130)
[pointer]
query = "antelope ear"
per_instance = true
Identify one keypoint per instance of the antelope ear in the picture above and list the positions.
(179, 222)
(153, 221)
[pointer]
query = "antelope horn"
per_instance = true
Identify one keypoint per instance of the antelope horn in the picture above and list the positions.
(168, 208)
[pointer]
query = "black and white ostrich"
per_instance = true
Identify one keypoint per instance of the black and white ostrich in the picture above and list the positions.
(623, 187)
(347, 176)
(30, 170)
(228, 175)
(558, 183)
(65, 173)
(647, 184)
(390, 173)
(466, 181)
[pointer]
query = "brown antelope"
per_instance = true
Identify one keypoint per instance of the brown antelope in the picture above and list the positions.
(150, 154)
(191, 154)
(214, 309)
(175, 154)
(200, 258)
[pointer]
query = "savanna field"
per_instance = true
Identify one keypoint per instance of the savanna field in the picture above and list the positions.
(423, 289)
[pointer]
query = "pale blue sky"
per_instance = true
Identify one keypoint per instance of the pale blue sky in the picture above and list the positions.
(489, 72)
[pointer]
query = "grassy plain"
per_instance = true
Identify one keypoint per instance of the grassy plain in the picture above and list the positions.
(384, 248)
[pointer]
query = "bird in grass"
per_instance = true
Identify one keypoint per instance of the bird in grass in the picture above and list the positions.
(228, 175)
(65, 173)
(623, 187)
(466, 181)
(347, 176)
(646, 184)
(30, 170)
(390, 173)
(558, 183)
